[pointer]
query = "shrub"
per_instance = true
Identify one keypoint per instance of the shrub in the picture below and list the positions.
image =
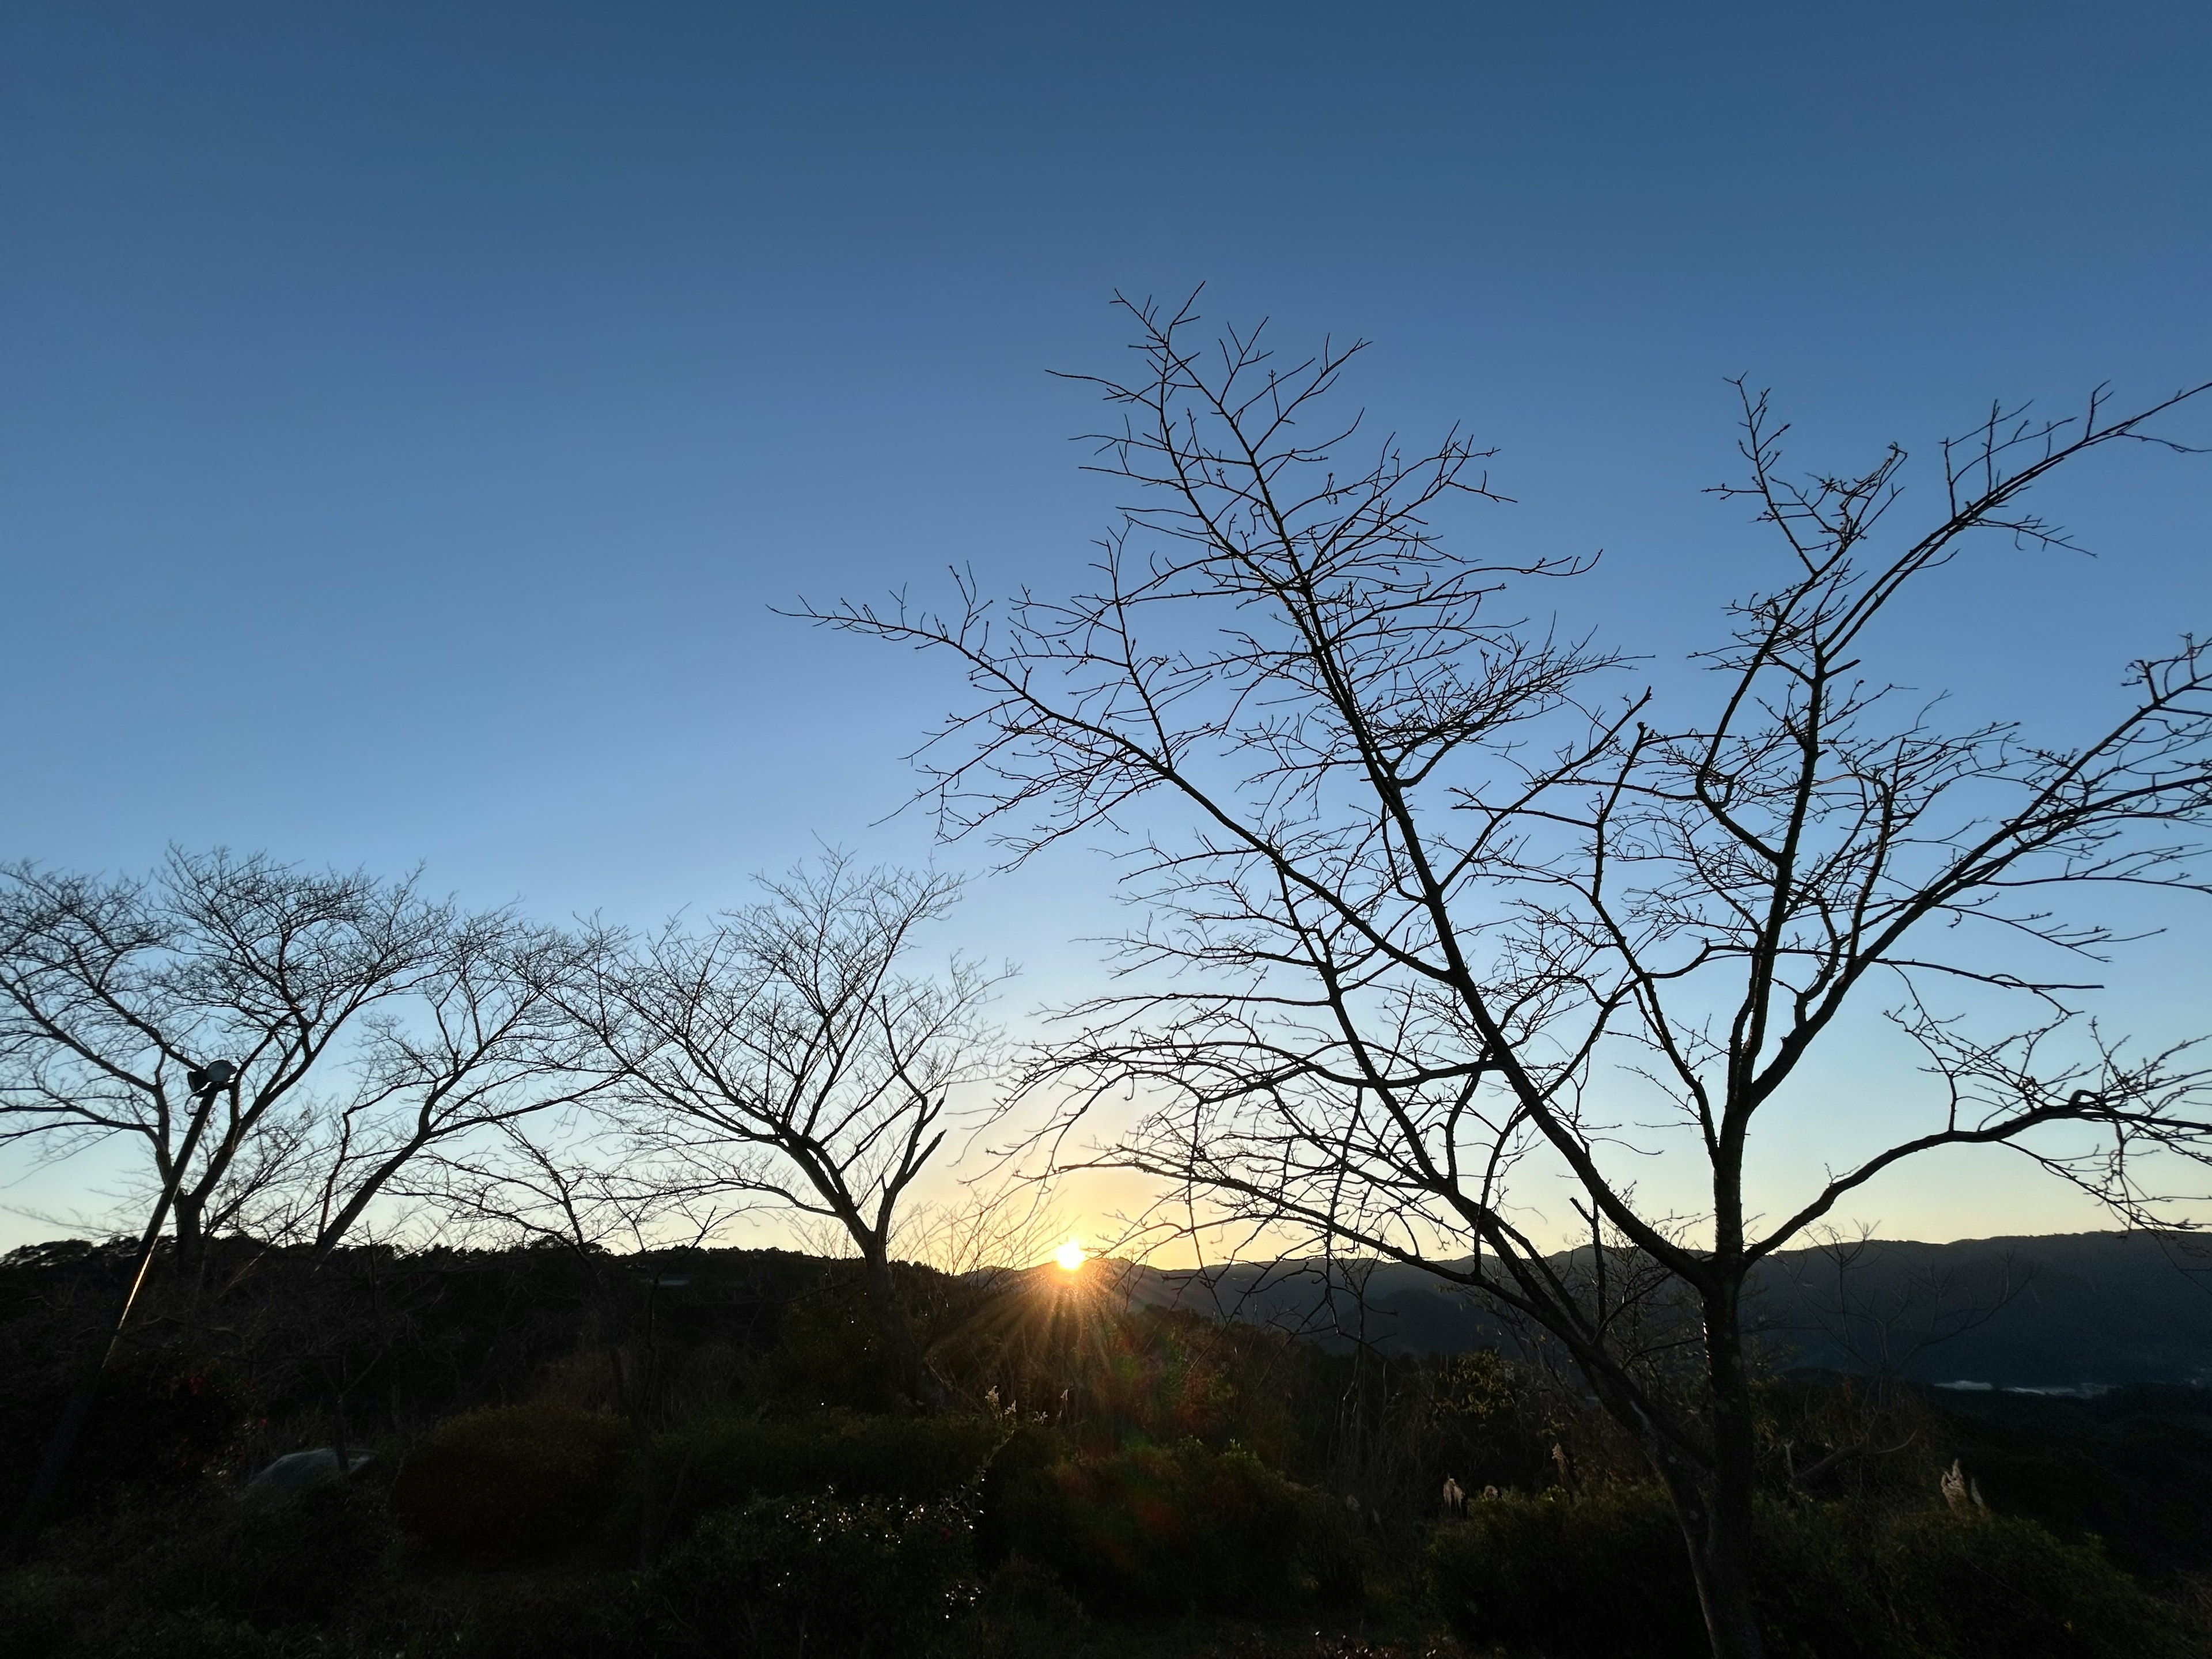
(160, 1423)
(164, 1421)
(2132, 1467)
(1846, 1582)
(569, 1616)
(1019, 1591)
(1337, 1553)
(1834, 1580)
(178, 1574)
(520, 1484)
(205, 1636)
(1600, 1575)
(718, 1463)
(1155, 1528)
(1014, 1468)
(35, 1603)
(293, 1565)
(820, 1574)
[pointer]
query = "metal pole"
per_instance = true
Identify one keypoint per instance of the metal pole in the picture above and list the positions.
(206, 1085)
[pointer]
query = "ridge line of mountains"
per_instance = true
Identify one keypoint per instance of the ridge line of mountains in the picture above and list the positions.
(2068, 1313)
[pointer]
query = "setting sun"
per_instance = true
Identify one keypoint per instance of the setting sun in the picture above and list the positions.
(1069, 1256)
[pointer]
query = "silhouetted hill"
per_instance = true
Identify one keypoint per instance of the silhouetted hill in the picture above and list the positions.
(2060, 1312)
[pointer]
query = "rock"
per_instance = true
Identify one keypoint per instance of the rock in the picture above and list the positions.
(295, 1475)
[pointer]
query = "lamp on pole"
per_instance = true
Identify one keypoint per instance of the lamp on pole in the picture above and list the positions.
(205, 1082)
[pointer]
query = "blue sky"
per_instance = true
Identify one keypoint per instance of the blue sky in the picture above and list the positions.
(409, 413)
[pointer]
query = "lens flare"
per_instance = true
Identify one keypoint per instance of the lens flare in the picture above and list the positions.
(1069, 1256)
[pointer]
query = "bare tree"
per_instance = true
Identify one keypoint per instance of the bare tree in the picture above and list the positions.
(788, 1052)
(364, 1022)
(486, 1041)
(1438, 922)
(575, 1184)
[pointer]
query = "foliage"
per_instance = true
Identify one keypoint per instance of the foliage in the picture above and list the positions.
(828, 1353)
(1078, 1355)
(718, 1461)
(523, 1483)
(1847, 1581)
(296, 1565)
(195, 1573)
(160, 1422)
(209, 1636)
(1156, 1529)
(1832, 1581)
(570, 1614)
(1522, 1570)
(526, 1514)
(35, 1607)
(1337, 1552)
(1870, 1439)
(820, 1574)
(1173, 1374)
(2131, 1469)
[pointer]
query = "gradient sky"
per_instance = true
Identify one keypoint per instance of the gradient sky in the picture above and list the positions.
(409, 413)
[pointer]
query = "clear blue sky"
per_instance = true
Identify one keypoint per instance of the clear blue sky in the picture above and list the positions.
(410, 412)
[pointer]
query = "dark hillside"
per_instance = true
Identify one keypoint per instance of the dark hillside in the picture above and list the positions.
(2061, 1312)
(378, 1341)
(697, 1454)
(2132, 1467)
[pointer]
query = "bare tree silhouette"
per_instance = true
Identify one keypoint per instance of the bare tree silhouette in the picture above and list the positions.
(367, 1024)
(786, 1053)
(1436, 921)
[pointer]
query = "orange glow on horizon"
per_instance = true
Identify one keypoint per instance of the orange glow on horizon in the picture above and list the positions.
(1070, 1256)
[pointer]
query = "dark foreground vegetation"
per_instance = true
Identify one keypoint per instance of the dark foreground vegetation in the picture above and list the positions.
(706, 1453)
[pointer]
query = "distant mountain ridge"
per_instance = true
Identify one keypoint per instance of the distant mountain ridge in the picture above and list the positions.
(2063, 1311)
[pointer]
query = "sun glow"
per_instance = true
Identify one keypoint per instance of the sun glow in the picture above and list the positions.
(1070, 1256)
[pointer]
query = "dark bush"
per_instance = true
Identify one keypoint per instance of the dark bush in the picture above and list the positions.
(827, 1355)
(819, 1575)
(164, 1421)
(35, 1605)
(1338, 1554)
(717, 1463)
(1601, 1574)
(1016, 1465)
(160, 1423)
(2132, 1467)
(522, 1484)
(293, 1565)
(1020, 1592)
(163, 1575)
(573, 1615)
(1605, 1574)
(1843, 1582)
(1158, 1529)
(207, 1636)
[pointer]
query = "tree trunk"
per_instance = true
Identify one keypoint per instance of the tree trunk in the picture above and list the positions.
(1717, 1515)
(1720, 1563)
(191, 1239)
(913, 1379)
